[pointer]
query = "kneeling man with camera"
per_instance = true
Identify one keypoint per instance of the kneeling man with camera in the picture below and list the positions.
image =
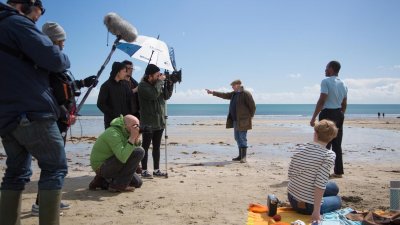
(116, 154)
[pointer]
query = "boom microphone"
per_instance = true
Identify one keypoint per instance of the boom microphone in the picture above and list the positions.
(120, 27)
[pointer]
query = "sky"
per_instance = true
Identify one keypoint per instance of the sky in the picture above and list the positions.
(278, 48)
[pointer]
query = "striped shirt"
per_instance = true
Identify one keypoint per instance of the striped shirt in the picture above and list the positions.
(309, 168)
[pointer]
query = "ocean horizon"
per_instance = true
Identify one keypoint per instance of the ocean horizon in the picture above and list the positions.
(292, 110)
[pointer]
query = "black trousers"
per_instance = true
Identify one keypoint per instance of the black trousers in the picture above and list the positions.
(155, 138)
(337, 116)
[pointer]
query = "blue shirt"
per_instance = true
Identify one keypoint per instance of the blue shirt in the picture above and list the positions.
(336, 91)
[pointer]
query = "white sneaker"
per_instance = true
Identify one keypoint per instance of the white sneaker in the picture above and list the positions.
(35, 208)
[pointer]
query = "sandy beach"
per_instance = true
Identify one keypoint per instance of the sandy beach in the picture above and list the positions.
(205, 187)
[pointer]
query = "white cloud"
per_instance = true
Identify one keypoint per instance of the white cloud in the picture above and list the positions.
(396, 67)
(295, 75)
(375, 90)
(361, 91)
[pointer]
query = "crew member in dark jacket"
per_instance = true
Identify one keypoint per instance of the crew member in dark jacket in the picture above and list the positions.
(115, 94)
(152, 95)
(29, 113)
(133, 84)
(241, 112)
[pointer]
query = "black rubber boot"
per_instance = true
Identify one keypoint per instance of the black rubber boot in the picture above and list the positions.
(243, 152)
(10, 207)
(49, 201)
(239, 157)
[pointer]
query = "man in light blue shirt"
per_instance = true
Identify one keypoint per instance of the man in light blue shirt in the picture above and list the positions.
(332, 105)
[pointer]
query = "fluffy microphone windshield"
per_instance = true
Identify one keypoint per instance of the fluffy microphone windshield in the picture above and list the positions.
(120, 27)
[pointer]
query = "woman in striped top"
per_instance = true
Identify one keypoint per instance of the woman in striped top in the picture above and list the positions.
(309, 189)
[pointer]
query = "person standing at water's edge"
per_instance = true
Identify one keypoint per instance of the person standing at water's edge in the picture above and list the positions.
(332, 104)
(241, 112)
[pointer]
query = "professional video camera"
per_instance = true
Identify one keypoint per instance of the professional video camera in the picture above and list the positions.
(176, 76)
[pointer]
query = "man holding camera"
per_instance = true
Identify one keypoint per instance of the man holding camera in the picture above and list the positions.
(116, 155)
(241, 112)
(152, 95)
(29, 113)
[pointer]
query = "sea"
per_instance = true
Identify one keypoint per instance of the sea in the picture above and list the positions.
(265, 110)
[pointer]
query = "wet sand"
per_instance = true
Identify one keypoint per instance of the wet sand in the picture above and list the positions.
(205, 187)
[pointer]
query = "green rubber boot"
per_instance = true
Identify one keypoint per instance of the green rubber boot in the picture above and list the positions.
(49, 211)
(10, 207)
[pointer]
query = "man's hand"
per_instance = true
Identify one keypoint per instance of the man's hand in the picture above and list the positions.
(134, 134)
(209, 92)
(90, 81)
(162, 77)
(312, 122)
(315, 216)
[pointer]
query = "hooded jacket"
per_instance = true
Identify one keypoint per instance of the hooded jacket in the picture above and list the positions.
(245, 109)
(24, 89)
(114, 99)
(112, 142)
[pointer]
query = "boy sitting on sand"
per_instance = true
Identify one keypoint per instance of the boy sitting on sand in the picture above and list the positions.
(309, 190)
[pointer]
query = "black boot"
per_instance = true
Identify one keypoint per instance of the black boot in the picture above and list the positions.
(10, 207)
(243, 152)
(239, 157)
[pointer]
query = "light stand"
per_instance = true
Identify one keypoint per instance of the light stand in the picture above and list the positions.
(165, 138)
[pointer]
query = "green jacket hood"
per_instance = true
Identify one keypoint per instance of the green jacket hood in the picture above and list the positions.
(120, 124)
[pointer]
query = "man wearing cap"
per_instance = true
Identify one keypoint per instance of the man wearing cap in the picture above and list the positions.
(29, 113)
(152, 114)
(241, 112)
(115, 94)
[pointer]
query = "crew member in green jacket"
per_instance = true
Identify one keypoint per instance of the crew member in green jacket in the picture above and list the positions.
(116, 154)
(153, 90)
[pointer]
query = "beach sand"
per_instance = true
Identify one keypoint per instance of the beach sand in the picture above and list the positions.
(205, 187)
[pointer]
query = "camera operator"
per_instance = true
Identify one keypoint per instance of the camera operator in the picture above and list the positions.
(116, 155)
(152, 113)
(29, 112)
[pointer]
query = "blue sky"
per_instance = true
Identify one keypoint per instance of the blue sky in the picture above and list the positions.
(279, 49)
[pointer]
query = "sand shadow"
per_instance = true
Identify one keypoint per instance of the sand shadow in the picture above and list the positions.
(216, 164)
(76, 188)
(279, 185)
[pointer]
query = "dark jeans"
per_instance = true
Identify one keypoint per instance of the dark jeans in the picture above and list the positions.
(42, 140)
(337, 116)
(240, 136)
(155, 138)
(330, 201)
(123, 173)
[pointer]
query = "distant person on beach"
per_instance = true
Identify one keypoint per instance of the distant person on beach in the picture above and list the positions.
(115, 156)
(383, 115)
(309, 189)
(241, 112)
(332, 104)
(379, 115)
(115, 94)
(152, 97)
(133, 85)
(29, 112)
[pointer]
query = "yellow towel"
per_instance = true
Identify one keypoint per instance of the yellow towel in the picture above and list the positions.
(287, 214)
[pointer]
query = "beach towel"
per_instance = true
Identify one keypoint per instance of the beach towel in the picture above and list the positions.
(287, 214)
